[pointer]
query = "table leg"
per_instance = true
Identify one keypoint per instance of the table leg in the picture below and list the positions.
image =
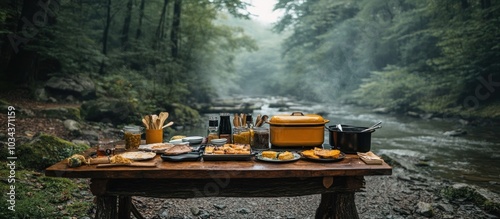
(124, 207)
(106, 207)
(337, 205)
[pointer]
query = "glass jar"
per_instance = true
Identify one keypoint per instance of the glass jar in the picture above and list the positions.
(225, 128)
(241, 135)
(260, 138)
(132, 136)
(213, 129)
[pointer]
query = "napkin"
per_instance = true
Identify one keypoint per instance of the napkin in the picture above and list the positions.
(370, 158)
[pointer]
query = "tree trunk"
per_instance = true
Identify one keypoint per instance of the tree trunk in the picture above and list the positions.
(174, 33)
(126, 25)
(105, 35)
(22, 65)
(160, 30)
(7, 50)
(141, 16)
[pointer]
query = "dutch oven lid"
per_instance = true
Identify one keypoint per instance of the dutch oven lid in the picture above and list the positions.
(298, 118)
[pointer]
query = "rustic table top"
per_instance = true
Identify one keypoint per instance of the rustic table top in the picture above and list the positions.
(351, 165)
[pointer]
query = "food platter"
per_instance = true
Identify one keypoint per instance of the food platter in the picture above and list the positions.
(339, 158)
(138, 155)
(259, 157)
(156, 147)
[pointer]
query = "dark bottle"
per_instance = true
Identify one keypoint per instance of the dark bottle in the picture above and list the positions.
(213, 129)
(225, 129)
(249, 121)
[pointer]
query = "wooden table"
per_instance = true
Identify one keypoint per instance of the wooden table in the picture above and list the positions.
(337, 182)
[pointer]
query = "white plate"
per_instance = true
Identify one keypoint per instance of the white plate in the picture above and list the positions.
(138, 155)
(193, 139)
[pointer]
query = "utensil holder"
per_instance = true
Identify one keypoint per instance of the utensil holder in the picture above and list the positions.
(154, 136)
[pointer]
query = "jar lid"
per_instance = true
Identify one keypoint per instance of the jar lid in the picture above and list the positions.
(132, 129)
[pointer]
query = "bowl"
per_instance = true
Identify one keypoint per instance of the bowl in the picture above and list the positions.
(177, 141)
(218, 142)
(193, 139)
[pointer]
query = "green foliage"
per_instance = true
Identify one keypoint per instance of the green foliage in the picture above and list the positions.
(38, 196)
(472, 195)
(45, 150)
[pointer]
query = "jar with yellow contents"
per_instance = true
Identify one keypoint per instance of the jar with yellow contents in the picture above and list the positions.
(241, 135)
(132, 136)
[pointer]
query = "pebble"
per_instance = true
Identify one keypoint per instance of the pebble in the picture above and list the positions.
(243, 211)
(163, 214)
(195, 211)
(424, 209)
(220, 206)
(445, 207)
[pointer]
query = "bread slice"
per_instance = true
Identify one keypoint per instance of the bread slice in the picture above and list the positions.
(269, 154)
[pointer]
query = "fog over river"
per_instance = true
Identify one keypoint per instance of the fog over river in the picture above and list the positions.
(471, 158)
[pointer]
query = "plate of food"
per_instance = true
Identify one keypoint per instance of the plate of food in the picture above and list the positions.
(156, 147)
(278, 156)
(323, 155)
(227, 152)
(138, 155)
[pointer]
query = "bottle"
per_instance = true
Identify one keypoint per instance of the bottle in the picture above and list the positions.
(213, 129)
(225, 128)
(249, 121)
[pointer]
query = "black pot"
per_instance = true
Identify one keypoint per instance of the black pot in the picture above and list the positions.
(350, 140)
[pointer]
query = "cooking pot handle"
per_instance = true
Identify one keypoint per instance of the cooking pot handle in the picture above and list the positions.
(297, 114)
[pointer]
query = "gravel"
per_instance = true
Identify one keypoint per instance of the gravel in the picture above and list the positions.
(401, 195)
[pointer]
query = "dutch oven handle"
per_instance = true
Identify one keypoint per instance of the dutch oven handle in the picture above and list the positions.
(297, 114)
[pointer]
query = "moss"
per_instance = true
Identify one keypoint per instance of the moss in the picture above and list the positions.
(62, 113)
(45, 150)
(38, 196)
(470, 194)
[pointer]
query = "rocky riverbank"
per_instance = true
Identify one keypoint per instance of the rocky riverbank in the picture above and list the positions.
(408, 193)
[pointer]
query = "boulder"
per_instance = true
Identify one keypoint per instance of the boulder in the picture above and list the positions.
(72, 125)
(60, 113)
(78, 86)
(45, 150)
(115, 111)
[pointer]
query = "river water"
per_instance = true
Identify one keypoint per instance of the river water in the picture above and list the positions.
(471, 158)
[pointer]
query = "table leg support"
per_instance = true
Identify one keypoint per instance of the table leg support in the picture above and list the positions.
(124, 207)
(106, 207)
(337, 205)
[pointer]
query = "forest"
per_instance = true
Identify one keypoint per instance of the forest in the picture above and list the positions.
(404, 55)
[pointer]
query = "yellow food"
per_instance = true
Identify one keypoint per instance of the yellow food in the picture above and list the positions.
(269, 154)
(119, 159)
(310, 154)
(332, 154)
(228, 149)
(175, 137)
(318, 153)
(287, 155)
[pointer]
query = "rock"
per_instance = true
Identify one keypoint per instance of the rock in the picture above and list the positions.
(243, 211)
(41, 95)
(195, 211)
(45, 150)
(27, 112)
(453, 133)
(163, 213)
(78, 86)
(424, 209)
(71, 125)
(220, 206)
(110, 110)
(61, 113)
(80, 142)
(90, 135)
(413, 114)
(445, 207)
(204, 215)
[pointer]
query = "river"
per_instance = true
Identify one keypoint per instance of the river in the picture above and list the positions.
(470, 158)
